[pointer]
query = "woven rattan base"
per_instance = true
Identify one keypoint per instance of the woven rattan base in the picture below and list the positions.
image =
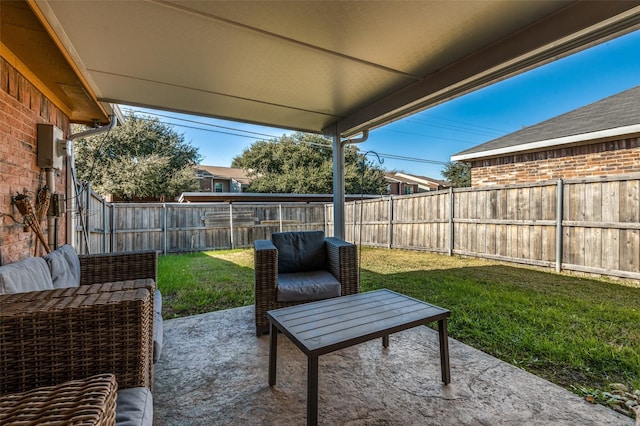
(50, 337)
(90, 401)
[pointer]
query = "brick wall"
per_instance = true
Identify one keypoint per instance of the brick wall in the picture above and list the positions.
(595, 160)
(22, 107)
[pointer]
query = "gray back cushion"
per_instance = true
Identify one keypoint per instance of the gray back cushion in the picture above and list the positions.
(64, 266)
(134, 407)
(299, 251)
(26, 275)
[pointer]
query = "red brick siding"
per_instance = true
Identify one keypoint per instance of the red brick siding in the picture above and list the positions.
(595, 160)
(22, 107)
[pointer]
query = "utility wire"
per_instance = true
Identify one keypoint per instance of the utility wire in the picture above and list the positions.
(426, 119)
(388, 156)
(198, 122)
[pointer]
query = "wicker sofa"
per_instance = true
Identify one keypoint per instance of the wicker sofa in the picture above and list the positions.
(66, 317)
(299, 267)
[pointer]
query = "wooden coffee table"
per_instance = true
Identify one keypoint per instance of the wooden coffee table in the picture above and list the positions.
(325, 326)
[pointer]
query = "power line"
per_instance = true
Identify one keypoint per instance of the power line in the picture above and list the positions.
(465, 124)
(389, 156)
(472, 131)
(414, 159)
(426, 136)
(198, 122)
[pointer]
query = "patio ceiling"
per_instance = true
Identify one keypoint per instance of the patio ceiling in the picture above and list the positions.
(323, 67)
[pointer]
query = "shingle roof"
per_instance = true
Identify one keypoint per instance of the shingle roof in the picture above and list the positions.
(225, 173)
(415, 179)
(620, 111)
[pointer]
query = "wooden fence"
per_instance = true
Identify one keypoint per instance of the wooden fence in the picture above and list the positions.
(588, 225)
(180, 227)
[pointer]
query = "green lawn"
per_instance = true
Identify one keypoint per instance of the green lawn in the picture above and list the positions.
(581, 333)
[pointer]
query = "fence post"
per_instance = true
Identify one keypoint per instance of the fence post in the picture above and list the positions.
(390, 225)
(113, 227)
(104, 224)
(280, 215)
(324, 219)
(231, 224)
(355, 221)
(559, 216)
(85, 213)
(164, 228)
(451, 213)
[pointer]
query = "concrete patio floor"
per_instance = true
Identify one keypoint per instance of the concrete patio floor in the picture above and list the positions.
(213, 371)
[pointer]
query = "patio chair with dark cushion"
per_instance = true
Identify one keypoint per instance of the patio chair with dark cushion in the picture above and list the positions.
(299, 267)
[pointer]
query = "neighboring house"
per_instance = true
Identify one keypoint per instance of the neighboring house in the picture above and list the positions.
(597, 140)
(222, 179)
(403, 183)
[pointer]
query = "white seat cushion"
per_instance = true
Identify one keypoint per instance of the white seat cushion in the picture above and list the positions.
(31, 274)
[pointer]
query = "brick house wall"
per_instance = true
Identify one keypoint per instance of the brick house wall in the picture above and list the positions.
(22, 107)
(593, 160)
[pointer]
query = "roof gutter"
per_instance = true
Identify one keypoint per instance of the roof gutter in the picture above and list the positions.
(551, 143)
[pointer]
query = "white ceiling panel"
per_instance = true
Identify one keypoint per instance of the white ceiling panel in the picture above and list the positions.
(317, 66)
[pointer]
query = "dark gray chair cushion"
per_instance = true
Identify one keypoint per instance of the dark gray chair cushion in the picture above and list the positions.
(64, 266)
(299, 251)
(307, 286)
(30, 274)
(134, 407)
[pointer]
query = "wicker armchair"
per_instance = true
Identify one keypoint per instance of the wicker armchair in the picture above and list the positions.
(338, 257)
(52, 336)
(91, 401)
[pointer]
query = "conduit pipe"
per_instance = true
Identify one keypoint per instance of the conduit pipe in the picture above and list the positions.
(365, 136)
(96, 131)
(50, 175)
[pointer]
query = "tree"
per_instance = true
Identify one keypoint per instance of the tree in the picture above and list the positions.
(302, 163)
(142, 158)
(457, 174)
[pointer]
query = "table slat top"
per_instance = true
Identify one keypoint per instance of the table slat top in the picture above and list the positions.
(331, 324)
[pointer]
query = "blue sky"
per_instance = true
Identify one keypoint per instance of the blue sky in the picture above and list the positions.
(437, 133)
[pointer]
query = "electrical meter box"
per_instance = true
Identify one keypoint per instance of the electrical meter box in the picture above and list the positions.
(57, 206)
(49, 139)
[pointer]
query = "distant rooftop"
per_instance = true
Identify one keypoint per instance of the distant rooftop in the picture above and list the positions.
(416, 179)
(225, 173)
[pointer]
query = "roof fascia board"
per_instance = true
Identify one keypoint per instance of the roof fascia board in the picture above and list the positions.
(12, 58)
(599, 135)
(573, 28)
(47, 18)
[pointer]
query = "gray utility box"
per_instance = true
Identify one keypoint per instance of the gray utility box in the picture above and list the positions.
(49, 147)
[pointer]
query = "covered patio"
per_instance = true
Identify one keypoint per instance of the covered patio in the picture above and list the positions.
(214, 370)
(336, 68)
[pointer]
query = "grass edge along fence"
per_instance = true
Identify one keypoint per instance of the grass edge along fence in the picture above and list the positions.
(583, 225)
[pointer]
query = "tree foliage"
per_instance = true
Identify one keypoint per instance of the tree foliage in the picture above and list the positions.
(457, 174)
(302, 163)
(142, 158)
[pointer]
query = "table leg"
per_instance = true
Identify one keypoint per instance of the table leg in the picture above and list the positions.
(385, 340)
(444, 351)
(273, 353)
(312, 391)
